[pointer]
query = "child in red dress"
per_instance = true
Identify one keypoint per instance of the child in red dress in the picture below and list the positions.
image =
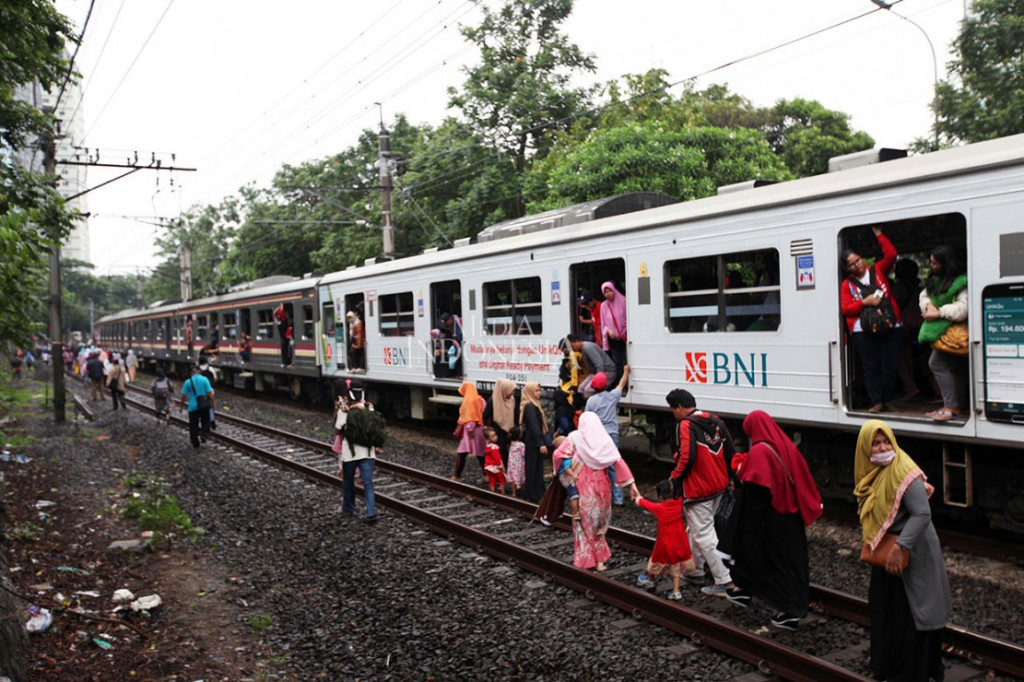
(492, 462)
(672, 555)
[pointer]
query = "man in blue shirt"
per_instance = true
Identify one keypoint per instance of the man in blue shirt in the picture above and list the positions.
(199, 394)
(605, 404)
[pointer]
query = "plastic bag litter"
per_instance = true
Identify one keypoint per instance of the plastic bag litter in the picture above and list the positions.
(39, 619)
(102, 643)
(123, 595)
(20, 459)
(147, 603)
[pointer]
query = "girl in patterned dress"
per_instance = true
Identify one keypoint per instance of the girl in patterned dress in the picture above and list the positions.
(516, 460)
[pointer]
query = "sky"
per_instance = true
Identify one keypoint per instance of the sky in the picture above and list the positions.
(238, 88)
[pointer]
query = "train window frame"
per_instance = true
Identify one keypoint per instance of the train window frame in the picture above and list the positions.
(327, 319)
(396, 314)
(307, 322)
(230, 319)
(265, 324)
(513, 317)
(201, 328)
(712, 298)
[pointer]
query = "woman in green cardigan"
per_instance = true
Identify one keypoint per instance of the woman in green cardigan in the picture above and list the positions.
(943, 302)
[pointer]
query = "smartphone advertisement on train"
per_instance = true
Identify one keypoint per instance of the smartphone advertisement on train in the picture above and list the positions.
(1003, 306)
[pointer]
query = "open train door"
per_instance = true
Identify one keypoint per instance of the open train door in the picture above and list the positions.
(446, 321)
(586, 279)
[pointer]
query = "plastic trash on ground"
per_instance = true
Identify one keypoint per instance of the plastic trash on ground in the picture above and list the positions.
(39, 619)
(147, 603)
(123, 595)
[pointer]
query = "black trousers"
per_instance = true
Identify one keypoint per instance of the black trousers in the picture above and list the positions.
(198, 425)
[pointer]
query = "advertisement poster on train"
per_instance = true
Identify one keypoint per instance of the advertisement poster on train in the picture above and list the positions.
(1004, 352)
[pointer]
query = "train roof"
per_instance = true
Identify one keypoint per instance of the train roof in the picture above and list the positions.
(981, 156)
(277, 286)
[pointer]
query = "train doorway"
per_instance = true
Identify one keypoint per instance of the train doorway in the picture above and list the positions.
(446, 328)
(899, 373)
(586, 279)
(354, 332)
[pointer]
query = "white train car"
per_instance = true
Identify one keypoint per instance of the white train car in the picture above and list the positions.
(736, 298)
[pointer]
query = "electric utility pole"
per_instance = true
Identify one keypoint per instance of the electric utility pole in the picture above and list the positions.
(56, 334)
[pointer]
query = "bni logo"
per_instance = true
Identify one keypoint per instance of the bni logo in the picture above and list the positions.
(750, 369)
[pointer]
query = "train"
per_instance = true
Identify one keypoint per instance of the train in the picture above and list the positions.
(735, 297)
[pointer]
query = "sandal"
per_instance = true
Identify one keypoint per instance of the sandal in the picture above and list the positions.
(940, 415)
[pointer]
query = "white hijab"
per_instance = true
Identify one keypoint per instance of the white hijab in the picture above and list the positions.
(593, 444)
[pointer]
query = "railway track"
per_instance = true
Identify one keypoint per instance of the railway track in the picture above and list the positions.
(500, 526)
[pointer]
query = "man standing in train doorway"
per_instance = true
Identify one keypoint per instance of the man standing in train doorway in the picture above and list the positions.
(283, 326)
(701, 477)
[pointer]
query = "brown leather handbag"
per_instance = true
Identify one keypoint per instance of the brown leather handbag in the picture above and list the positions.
(878, 557)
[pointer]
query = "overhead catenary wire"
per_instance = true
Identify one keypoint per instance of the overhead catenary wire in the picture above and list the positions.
(95, 65)
(128, 70)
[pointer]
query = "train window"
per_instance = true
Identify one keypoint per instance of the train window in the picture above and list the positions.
(397, 315)
(231, 325)
(265, 324)
(513, 307)
(725, 292)
(159, 330)
(201, 327)
(307, 322)
(327, 319)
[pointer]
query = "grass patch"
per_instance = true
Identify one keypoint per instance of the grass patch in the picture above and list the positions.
(259, 623)
(18, 441)
(156, 511)
(25, 532)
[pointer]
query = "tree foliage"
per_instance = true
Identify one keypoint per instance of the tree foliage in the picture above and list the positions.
(520, 94)
(32, 214)
(687, 163)
(984, 98)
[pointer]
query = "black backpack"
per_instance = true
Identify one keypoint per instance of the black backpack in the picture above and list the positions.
(880, 319)
(366, 428)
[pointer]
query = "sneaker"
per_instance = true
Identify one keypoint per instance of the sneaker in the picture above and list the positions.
(643, 581)
(715, 590)
(544, 520)
(784, 621)
(695, 578)
(738, 597)
(674, 596)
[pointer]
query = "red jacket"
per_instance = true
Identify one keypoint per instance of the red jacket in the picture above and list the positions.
(849, 293)
(702, 459)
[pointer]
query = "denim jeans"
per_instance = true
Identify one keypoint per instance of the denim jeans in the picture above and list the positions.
(616, 490)
(348, 486)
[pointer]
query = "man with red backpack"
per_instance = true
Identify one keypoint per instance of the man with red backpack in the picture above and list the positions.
(701, 477)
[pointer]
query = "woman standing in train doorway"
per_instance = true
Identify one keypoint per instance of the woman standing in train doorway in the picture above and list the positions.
(908, 606)
(613, 324)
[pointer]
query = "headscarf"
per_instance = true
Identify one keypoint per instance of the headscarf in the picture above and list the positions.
(503, 401)
(613, 313)
(593, 444)
(472, 407)
(530, 395)
(880, 489)
(774, 472)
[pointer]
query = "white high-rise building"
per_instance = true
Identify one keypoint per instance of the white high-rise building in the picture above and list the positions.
(72, 179)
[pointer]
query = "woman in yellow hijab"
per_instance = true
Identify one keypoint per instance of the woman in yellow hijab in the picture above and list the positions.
(909, 608)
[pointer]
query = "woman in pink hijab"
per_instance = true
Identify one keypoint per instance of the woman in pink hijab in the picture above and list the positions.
(592, 451)
(613, 324)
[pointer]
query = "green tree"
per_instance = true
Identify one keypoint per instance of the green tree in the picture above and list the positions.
(32, 214)
(806, 135)
(207, 232)
(984, 98)
(687, 163)
(520, 95)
